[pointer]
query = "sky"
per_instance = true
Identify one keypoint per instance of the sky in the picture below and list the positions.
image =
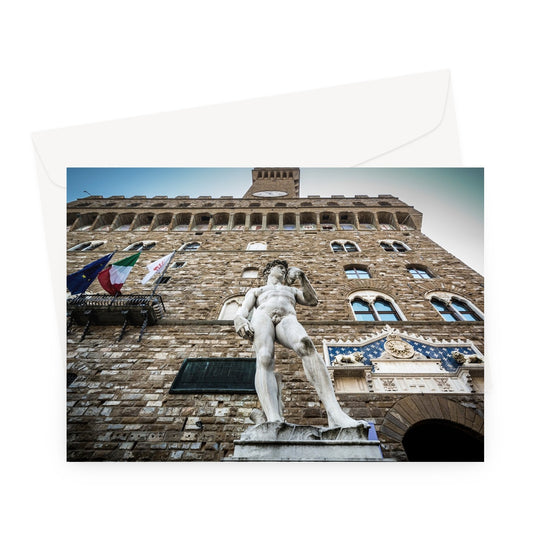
(450, 199)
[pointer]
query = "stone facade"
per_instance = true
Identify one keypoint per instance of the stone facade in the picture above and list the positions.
(118, 402)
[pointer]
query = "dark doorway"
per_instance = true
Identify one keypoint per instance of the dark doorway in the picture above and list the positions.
(441, 440)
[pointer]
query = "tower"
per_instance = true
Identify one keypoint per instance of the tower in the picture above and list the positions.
(274, 183)
(399, 323)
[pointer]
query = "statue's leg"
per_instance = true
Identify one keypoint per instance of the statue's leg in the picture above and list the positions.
(266, 384)
(291, 334)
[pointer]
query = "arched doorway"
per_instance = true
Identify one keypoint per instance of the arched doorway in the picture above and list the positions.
(434, 422)
(442, 440)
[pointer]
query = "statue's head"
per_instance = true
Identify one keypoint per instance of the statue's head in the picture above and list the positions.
(280, 262)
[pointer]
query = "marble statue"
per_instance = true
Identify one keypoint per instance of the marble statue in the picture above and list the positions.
(274, 320)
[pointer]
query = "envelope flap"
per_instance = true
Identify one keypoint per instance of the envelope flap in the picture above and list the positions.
(365, 120)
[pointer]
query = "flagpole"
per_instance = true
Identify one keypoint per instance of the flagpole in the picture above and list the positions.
(162, 274)
(116, 294)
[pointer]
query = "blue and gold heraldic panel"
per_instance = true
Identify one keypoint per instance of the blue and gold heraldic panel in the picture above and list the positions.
(375, 349)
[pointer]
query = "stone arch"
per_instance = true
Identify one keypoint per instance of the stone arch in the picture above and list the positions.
(230, 306)
(439, 284)
(413, 409)
(449, 296)
(371, 284)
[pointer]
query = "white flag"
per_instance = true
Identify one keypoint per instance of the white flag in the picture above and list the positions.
(156, 266)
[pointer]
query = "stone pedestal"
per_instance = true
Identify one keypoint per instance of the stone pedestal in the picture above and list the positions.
(279, 441)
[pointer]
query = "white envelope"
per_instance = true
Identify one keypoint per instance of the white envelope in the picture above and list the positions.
(407, 121)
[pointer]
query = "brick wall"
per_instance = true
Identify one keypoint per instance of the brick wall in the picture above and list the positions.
(119, 406)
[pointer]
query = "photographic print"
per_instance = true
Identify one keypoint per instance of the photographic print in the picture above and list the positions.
(275, 314)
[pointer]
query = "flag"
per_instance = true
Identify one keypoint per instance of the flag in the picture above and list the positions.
(79, 281)
(156, 267)
(114, 276)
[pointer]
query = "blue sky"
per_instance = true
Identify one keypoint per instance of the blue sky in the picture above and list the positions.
(451, 199)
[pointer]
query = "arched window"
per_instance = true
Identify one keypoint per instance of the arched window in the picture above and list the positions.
(455, 309)
(86, 246)
(378, 311)
(230, 308)
(141, 245)
(256, 246)
(190, 247)
(372, 306)
(419, 272)
(250, 273)
(344, 246)
(394, 246)
(356, 272)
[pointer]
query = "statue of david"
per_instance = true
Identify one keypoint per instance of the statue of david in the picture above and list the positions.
(274, 320)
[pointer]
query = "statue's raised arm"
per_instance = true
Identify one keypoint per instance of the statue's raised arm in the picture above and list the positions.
(306, 295)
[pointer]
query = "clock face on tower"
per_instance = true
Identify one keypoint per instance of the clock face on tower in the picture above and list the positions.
(270, 194)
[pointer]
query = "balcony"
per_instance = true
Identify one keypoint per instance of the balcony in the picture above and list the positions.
(106, 310)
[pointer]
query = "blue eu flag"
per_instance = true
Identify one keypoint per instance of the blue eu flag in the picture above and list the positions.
(78, 282)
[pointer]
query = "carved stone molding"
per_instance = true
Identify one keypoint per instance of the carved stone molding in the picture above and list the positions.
(398, 348)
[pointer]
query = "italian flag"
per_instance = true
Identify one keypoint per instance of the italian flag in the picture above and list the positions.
(113, 277)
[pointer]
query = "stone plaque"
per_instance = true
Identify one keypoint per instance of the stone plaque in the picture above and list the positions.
(206, 374)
